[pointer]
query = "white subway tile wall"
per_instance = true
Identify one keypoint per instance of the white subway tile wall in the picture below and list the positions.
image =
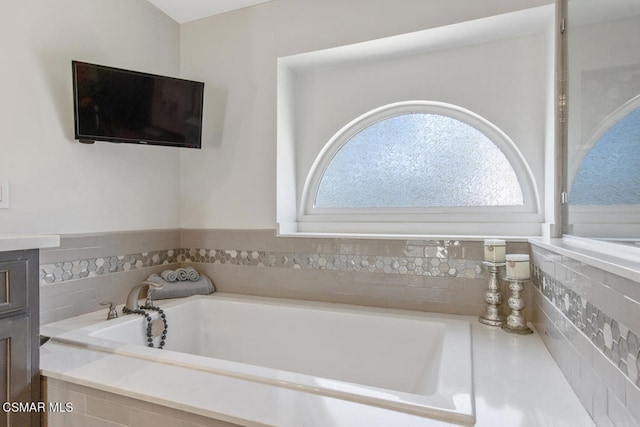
(92, 407)
(445, 276)
(585, 317)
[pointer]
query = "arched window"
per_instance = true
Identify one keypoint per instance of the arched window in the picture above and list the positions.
(418, 162)
(609, 173)
(604, 195)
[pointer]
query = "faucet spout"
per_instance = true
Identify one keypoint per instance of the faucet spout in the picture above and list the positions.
(134, 295)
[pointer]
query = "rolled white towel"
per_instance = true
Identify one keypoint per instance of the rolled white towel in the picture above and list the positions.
(192, 274)
(169, 275)
(182, 274)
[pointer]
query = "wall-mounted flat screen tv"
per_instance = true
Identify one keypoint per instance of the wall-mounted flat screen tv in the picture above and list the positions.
(116, 105)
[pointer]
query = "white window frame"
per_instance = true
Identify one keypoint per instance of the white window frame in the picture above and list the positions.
(481, 220)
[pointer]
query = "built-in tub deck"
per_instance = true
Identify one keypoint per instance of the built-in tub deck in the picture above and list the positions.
(406, 361)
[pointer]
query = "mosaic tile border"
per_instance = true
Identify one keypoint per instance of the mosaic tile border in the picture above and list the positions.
(92, 267)
(616, 341)
(419, 266)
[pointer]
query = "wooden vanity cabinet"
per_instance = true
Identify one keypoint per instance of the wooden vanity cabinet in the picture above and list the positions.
(19, 338)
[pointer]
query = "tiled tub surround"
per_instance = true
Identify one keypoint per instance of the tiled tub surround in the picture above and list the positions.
(331, 269)
(445, 276)
(90, 268)
(590, 321)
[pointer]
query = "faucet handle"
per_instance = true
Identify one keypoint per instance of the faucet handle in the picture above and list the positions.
(149, 301)
(112, 310)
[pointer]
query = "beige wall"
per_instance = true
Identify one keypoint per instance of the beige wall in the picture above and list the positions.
(57, 184)
(60, 186)
(236, 53)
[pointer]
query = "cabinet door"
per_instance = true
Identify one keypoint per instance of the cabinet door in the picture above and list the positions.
(13, 286)
(15, 370)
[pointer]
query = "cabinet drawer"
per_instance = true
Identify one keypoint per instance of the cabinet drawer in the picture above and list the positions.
(13, 285)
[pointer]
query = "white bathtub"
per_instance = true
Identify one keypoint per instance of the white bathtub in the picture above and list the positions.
(406, 361)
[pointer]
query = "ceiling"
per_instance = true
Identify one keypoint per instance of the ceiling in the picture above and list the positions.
(183, 11)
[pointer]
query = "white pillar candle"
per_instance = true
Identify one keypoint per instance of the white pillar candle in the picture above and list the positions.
(518, 266)
(494, 250)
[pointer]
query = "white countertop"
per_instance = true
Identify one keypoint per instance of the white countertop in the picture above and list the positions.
(18, 242)
(517, 384)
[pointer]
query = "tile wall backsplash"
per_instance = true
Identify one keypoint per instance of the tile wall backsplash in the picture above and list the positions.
(88, 269)
(590, 321)
(615, 340)
(91, 267)
(430, 275)
(421, 265)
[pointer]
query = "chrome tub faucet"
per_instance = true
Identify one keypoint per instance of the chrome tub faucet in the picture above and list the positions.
(134, 296)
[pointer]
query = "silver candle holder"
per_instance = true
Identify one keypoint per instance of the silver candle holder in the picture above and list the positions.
(516, 322)
(493, 297)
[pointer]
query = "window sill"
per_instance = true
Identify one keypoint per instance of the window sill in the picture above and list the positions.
(614, 258)
(281, 232)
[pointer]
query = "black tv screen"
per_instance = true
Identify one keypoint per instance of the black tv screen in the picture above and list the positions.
(111, 104)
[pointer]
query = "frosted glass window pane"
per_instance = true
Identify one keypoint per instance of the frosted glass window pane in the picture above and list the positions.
(609, 173)
(418, 160)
